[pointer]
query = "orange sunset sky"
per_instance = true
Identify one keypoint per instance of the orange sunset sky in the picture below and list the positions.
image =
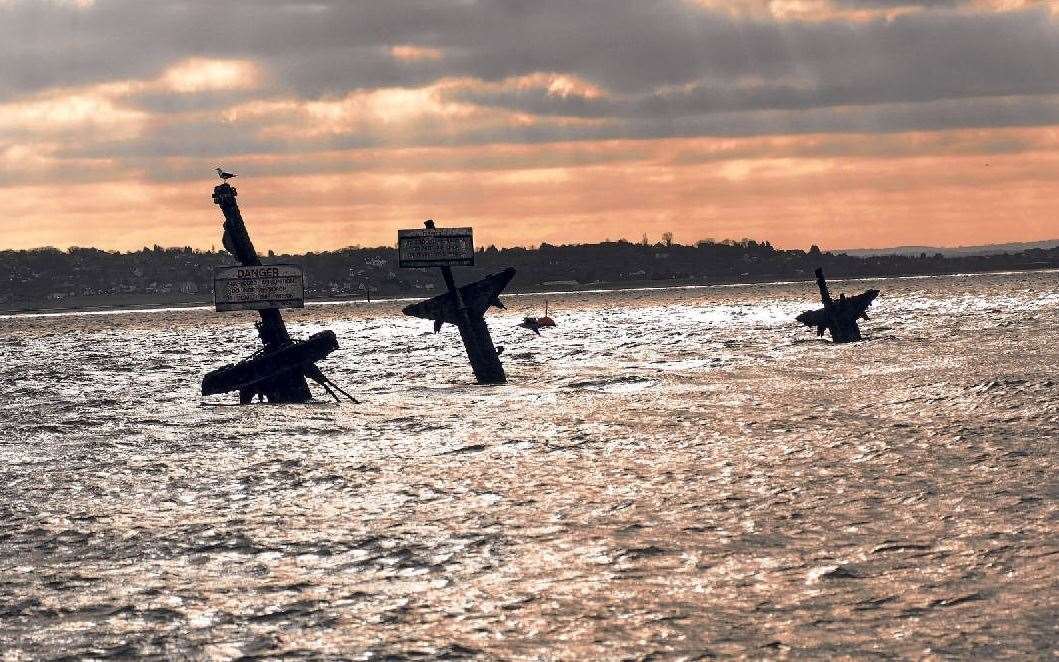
(845, 123)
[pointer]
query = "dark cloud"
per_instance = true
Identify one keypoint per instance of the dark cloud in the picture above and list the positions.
(923, 57)
(893, 4)
(668, 67)
(166, 102)
(332, 46)
(204, 140)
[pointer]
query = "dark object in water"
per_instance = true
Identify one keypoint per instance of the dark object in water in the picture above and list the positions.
(268, 363)
(465, 307)
(276, 372)
(838, 317)
(477, 297)
(535, 324)
(531, 323)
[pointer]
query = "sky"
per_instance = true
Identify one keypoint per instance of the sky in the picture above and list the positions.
(842, 123)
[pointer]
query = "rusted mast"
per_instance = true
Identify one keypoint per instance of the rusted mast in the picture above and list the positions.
(289, 386)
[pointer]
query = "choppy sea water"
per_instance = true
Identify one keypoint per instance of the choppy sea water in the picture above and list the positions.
(669, 474)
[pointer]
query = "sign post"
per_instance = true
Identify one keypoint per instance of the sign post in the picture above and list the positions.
(259, 287)
(435, 247)
(463, 306)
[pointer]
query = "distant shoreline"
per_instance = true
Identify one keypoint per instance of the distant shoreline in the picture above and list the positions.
(156, 306)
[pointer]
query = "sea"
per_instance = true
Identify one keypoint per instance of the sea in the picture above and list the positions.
(669, 474)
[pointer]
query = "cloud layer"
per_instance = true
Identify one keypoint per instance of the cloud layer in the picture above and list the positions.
(108, 93)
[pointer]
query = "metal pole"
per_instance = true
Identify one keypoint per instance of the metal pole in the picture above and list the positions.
(474, 332)
(291, 386)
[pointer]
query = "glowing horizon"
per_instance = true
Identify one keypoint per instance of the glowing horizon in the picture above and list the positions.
(842, 123)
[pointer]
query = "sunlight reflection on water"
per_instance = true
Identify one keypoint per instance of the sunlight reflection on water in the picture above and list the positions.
(669, 471)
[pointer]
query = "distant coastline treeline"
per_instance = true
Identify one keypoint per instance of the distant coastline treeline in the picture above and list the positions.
(46, 278)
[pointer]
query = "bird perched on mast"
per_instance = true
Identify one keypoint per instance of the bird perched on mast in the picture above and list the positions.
(225, 176)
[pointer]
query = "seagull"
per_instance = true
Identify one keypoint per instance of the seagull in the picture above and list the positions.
(224, 175)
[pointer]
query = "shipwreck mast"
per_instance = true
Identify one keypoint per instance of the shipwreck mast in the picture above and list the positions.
(276, 372)
(289, 386)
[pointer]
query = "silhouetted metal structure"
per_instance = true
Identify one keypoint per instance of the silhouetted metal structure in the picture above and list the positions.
(465, 307)
(277, 371)
(838, 317)
(535, 324)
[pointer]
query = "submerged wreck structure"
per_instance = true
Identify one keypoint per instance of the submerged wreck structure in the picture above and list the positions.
(838, 317)
(535, 324)
(465, 306)
(278, 371)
